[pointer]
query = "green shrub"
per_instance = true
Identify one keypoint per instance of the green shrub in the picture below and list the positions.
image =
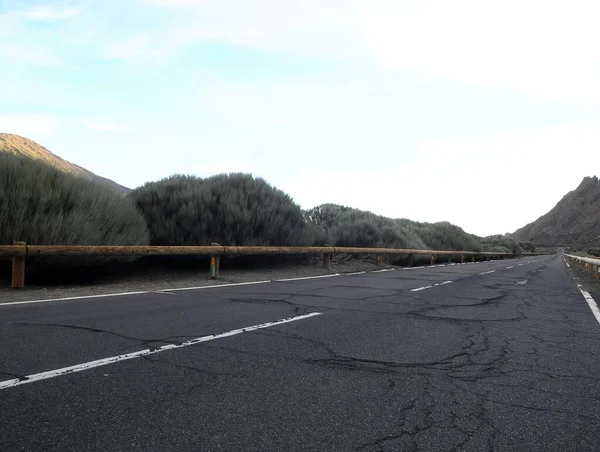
(501, 243)
(341, 224)
(361, 233)
(230, 209)
(44, 206)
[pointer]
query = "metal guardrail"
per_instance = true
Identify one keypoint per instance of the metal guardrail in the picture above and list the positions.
(20, 251)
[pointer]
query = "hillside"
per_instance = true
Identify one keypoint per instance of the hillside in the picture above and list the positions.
(15, 144)
(573, 222)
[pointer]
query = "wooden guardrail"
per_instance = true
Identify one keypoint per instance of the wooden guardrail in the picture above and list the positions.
(20, 251)
(590, 264)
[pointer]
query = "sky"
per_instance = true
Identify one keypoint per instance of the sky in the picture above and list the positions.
(481, 113)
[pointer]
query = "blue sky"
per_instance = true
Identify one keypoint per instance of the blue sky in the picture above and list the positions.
(480, 113)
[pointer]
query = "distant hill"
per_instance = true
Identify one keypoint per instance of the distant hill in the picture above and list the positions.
(573, 222)
(15, 144)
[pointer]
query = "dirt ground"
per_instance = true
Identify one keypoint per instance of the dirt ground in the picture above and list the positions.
(154, 279)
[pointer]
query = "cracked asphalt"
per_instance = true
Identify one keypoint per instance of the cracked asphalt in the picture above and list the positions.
(493, 361)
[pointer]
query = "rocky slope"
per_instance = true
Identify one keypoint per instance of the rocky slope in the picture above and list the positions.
(573, 222)
(18, 145)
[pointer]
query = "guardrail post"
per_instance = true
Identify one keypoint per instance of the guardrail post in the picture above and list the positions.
(378, 260)
(462, 258)
(410, 260)
(449, 258)
(213, 266)
(473, 258)
(18, 268)
(432, 259)
(326, 261)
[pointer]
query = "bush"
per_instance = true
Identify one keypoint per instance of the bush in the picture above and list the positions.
(231, 209)
(501, 244)
(44, 206)
(362, 234)
(353, 227)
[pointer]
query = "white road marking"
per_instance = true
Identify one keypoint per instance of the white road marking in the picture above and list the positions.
(512, 266)
(591, 303)
(72, 298)
(114, 359)
(413, 268)
(429, 287)
(384, 270)
(487, 273)
(355, 273)
(215, 285)
(520, 265)
(307, 277)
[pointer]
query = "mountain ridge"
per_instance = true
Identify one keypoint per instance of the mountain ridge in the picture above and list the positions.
(573, 222)
(18, 145)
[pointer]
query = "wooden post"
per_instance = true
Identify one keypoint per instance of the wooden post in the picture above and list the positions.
(410, 260)
(18, 268)
(432, 259)
(217, 262)
(378, 260)
(213, 267)
(326, 261)
(462, 258)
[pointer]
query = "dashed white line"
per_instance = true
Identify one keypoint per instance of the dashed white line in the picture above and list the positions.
(512, 266)
(114, 359)
(429, 287)
(487, 273)
(591, 303)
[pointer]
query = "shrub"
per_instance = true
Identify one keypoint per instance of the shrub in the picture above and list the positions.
(44, 206)
(342, 224)
(361, 233)
(231, 209)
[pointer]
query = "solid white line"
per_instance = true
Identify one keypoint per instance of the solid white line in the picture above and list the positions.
(354, 273)
(591, 303)
(429, 287)
(412, 268)
(384, 270)
(512, 266)
(307, 277)
(114, 359)
(214, 286)
(487, 273)
(73, 298)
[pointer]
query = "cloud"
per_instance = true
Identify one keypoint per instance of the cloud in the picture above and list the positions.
(50, 13)
(28, 124)
(104, 125)
(541, 48)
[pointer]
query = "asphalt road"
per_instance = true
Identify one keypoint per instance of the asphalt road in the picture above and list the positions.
(498, 356)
